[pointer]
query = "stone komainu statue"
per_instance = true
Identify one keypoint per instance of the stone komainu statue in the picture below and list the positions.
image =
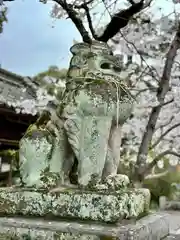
(86, 125)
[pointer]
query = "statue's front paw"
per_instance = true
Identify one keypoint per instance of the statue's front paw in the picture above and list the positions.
(116, 182)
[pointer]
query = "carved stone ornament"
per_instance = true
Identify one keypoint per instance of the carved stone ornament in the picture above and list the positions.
(86, 125)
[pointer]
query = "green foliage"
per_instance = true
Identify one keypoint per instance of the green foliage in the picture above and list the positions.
(13, 155)
(3, 17)
(163, 186)
(57, 75)
(53, 72)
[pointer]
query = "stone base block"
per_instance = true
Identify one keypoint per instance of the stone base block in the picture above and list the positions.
(152, 227)
(75, 204)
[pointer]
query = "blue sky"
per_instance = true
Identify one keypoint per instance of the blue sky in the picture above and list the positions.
(29, 44)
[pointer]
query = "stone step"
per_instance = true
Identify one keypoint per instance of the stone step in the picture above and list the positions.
(174, 225)
(174, 235)
(174, 220)
(151, 227)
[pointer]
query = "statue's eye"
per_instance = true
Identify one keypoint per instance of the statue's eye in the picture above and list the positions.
(105, 65)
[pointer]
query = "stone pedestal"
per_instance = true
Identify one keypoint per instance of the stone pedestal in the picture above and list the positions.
(103, 206)
(74, 214)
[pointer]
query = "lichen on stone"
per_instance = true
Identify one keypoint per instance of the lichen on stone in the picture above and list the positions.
(21, 233)
(117, 181)
(75, 204)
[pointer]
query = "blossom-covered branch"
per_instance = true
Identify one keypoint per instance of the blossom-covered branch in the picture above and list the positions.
(164, 134)
(163, 88)
(73, 15)
(84, 6)
(118, 20)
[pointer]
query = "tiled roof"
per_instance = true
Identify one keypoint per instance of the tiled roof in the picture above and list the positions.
(14, 88)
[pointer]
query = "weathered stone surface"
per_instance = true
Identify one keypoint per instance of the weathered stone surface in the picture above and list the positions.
(102, 206)
(36, 229)
(155, 227)
(172, 237)
(42, 227)
(174, 220)
(30, 234)
(80, 138)
(43, 157)
(85, 126)
(172, 205)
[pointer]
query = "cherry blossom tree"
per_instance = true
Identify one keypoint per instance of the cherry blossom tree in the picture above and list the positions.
(154, 37)
(152, 42)
(153, 132)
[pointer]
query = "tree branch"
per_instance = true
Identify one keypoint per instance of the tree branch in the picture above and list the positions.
(164, 134)
(158, 175)
(150, 85)
(75, 19)
(159, 157)
(143, 90)
(120, 20)
(131, 2)
(165, 124)
(86, 8)
(166, 103)
(147, 4)
(163, 88)
(117, 22)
